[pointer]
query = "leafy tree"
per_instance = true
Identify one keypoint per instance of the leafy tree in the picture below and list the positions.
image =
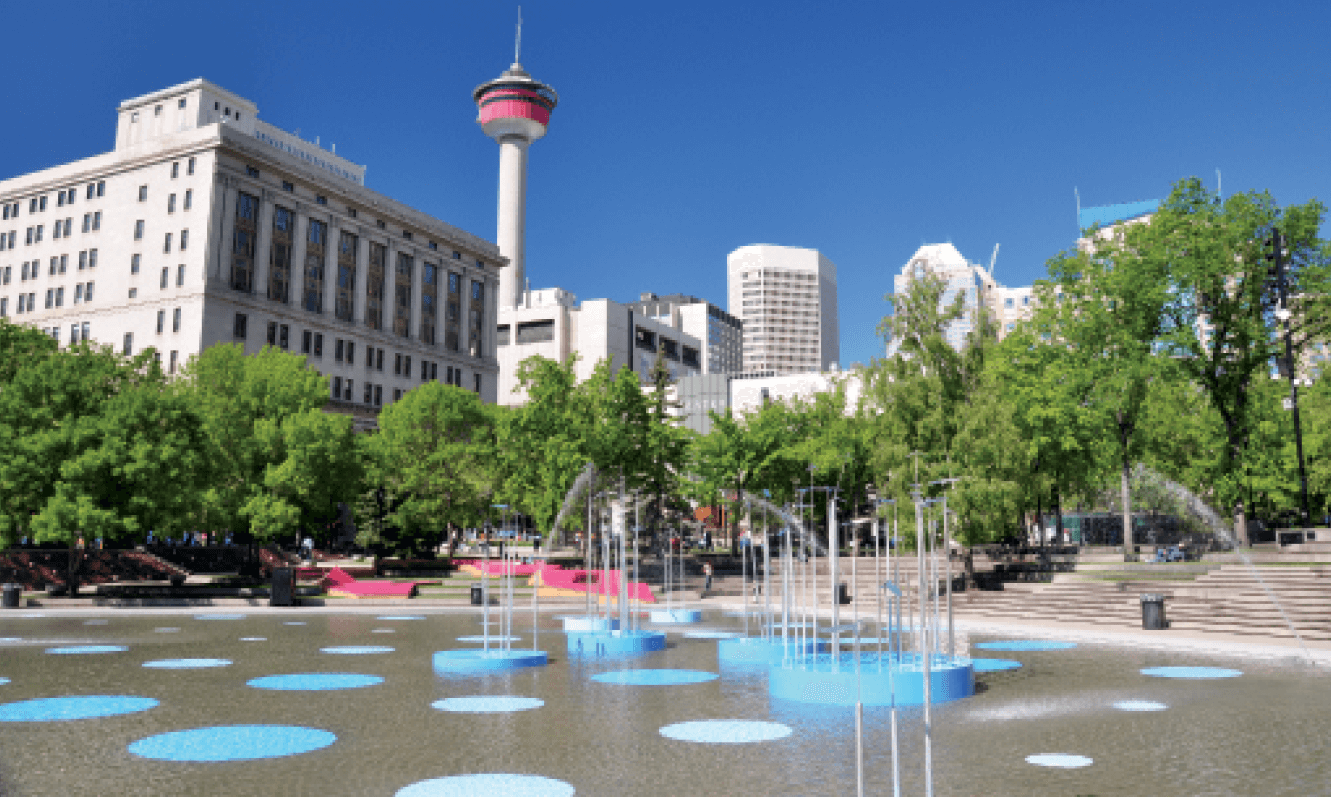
(20, 346)
(1218, 281)
(434, 459)
(666, 450)
(97, 446)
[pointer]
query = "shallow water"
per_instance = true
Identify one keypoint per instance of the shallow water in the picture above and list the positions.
(1261, 733)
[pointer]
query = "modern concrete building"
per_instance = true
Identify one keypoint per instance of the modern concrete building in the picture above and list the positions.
(553, 324)
(743, 393)
(786, 298)
(721, 334)
(206, 224)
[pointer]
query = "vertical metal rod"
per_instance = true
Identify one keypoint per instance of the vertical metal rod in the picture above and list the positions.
(834, 552)
(859, 749)
(878, 581)
(636, 621)
(767, 583)
(587, 551)
(928, 692)
(744, 572)
(485, 595)
(947, 551)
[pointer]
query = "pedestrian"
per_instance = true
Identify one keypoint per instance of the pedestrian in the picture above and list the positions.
(707, 571)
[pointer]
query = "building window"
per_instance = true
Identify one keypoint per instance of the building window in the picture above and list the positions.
(316, 238)
(161, 321)
(397, 358)
(166, 277)
(87, 294)
(60, 295)
(337, 387)
(501, 335)
(402, 295)
(143, 193)
(180, 275)
(322, 200)
(346, 390)
(92, 190)
(434, 246)
(272, 333)
(250, 171)
(50, 297)
(369, 358)
(92, 260)
(338, 349)
(175, 169)
(243, 241)
(127, 348)
(288, 187)
(189, 167)
(406, 234)
(240, 326)
(283, 337)
(181, 104)
(170, 203)
(97, 221)
(453, 313)
(306, 339)
(133, 293)
(175, 356)
(374, 286)
(380, 224)
(397, 393)
(369, 393)
(279, 270)
(134, 264)
(166, 246)
(378, 395)
(138, 230)
(175, 320)
(184, 240)
(477, 379)
(344, 308)
(101, 188)
(189, 198)
(378, 354)
(87, 222)
(351, 352)
(429, 303)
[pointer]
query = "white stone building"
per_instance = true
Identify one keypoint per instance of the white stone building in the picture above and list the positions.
(551, 323)
(721, 334)
(206, 225)
(786, 298)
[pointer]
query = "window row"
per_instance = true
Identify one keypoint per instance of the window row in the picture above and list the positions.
(65, 196)
(55, 297)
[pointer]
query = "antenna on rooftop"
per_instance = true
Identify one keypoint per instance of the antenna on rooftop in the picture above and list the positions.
(1078, 195)
(517, 41)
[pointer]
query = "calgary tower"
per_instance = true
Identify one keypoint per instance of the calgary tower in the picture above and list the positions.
(514, 111)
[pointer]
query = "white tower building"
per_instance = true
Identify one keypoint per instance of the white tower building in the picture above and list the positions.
(514, 110)
(786, 299)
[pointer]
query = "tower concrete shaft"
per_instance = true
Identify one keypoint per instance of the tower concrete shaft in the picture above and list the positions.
(511, 232)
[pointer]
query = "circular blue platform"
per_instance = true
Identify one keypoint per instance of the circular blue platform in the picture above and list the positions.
(1191, 672)
(56, 709)
(487, 704)
(295, 622)
(472, 660)
(400, 617)
(758, 650)
(994, 665)
(583, 623)
(357, 650)
(3, 681)
(726, 731)
(74, 650)
(1139, 705)
(4, 640)
(490, 784)
(814, 680)
(614, 643)
(254, 639)
(186, 664)
(654, 677)
(232, 743)
(315, 681)
(1025, 644)
(675, 615)
(712, 634)
(1059, 760)
(219, 617)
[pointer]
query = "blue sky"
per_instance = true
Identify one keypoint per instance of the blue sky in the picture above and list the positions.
(685, 130)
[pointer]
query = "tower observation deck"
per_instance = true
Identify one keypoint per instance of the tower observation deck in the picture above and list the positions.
(514, 110)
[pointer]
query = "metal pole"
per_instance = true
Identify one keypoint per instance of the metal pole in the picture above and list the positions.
(1279, 242)
(928, 692)
(834, 553)
(859, 749)
(767, 582)
(947, 549)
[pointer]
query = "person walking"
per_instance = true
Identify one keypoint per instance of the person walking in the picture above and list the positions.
(707, 571)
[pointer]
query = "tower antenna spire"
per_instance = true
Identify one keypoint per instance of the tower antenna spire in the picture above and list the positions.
(517, 40)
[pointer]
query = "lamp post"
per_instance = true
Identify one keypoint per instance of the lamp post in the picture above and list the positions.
(947, 550)
(1277, 255)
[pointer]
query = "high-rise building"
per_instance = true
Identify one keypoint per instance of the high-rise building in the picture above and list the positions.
(721, 334)
(206, 224)
(970, 281)
(786, 298)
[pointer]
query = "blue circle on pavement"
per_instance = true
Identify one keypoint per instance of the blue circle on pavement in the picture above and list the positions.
(219, 617)
(77, 649)
(993, 665)
(496, 784)
(1026, 644)
(654, 677)
(1059, 760)
(3, 681)
(726, 731)
(400, 617)
(355, 650)
(1191, 672)
(54, 709)
(487, 704)
(493, 638)
(232, 743)
(315, 681)
(186, 664)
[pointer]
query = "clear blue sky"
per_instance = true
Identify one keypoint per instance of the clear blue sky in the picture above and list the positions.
(687, 129)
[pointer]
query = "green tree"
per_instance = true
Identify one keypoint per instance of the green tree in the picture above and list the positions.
(1220, 328)
(97, 446)
(434, 459)
(667, 448)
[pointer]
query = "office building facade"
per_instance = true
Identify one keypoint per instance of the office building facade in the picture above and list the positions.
(786, 299)
(206, 225)
(720, 333)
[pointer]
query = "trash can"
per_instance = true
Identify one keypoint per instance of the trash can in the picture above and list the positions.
(1153, 613)
(283, 591)
(842, 594)
(12, 593)
(477, 596)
